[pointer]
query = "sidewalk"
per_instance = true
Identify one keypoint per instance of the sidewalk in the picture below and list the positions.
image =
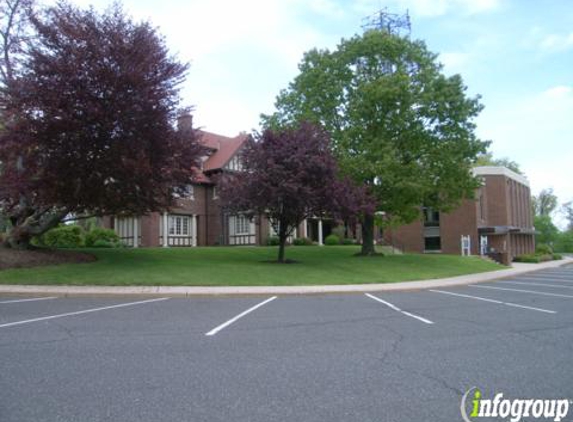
(185, 291)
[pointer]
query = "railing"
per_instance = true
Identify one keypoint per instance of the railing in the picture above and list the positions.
(242, 239)
(176, 241)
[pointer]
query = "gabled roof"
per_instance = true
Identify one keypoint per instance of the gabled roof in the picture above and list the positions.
(223, 149)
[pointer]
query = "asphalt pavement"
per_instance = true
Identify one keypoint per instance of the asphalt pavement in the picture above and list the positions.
(374, 356)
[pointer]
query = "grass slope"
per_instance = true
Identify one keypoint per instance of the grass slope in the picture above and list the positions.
(241, 266)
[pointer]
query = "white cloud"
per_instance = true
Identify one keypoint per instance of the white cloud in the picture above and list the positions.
(556, 42)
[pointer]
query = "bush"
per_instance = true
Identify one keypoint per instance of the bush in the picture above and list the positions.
(302, 241)
(543, 249)
(557, 257)
(101, 243)
(273, 241)
(64, 237)
(332, 240)
(339, 231)
(98, 234)
(534, 258)
(530, 258)
(348, 241)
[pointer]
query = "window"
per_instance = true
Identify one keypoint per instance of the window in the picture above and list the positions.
(242, 225)
(431, 217)
(179, 225)
(235, 164)
(432, 243)
(215, 193)
(187, 192)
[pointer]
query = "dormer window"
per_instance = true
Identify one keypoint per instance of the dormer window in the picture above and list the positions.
(235, 164)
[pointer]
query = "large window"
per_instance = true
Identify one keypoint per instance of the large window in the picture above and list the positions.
(432, 244)
(179, 225)
(242, 225)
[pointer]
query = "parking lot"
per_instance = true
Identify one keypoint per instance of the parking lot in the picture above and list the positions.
(401, 356)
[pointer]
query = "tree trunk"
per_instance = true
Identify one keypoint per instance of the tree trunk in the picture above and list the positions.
(368, 248)
(18, 239)
(24, 230)
(282, 242)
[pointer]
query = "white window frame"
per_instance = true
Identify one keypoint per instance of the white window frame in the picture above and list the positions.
(242, 225)
(179, 226)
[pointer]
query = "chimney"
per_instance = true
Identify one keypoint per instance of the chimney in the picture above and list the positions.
(185, 121)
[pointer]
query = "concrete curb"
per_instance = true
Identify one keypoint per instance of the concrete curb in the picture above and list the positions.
(188, 291)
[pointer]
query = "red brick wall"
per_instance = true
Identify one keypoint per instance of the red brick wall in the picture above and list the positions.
(461, 221)
(409, 238)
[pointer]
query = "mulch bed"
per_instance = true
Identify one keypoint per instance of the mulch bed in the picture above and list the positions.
(10, 258)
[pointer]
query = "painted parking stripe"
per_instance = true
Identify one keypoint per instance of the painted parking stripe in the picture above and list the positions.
(527, 283)
(547, 277)
(35, 299)
(85, 311)
(523, 291)
(241, 315)
(395, 308)
(499, 302)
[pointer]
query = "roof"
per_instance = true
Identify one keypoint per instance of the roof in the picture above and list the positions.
(223, 147)
(500, 171)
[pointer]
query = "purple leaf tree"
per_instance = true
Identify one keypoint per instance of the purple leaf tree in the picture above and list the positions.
(290, 175)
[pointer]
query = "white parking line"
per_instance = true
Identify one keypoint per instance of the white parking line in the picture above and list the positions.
(242, 314)
(546, 278)
(499, 302)
(522, 291)
(28, 300)
(395, 308)
(86, 311)
(526, 283)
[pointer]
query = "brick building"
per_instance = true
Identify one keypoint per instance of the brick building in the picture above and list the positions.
(498, 222)
(196, 219)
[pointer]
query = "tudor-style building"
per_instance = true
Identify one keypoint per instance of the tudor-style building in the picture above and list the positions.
(196, 219)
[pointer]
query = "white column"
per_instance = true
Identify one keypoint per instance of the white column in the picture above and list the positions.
(165, 230)
(135, 233)
(320, 239)
(194, 230)
(304, 229)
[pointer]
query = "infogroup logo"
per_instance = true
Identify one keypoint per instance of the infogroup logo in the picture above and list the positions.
(513, 410)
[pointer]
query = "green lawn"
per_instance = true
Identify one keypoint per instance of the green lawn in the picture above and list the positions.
(238, 266)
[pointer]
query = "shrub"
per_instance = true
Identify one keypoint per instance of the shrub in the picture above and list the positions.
(302, 241)
(348, 241)
(332, 240)
(557, 257)
(543, 249)
(64, 237)
(529, 258)
(273, 241)
(339, 231)
(101, 243)
(97, 234)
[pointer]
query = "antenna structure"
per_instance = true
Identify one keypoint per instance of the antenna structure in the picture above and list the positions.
(392, 23)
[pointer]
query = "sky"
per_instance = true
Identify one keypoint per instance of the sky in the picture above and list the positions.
(516, 54)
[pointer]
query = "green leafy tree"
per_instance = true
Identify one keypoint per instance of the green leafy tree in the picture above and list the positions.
(487, 159)
(567, 210)
(564, 242)
(398, 125)
(546, 231)
(545, 203)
